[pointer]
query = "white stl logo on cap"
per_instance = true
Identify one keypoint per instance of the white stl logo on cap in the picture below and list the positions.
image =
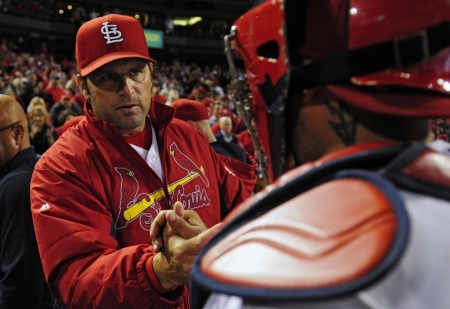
(112, 35)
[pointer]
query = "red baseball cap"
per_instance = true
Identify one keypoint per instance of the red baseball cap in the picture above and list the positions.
(228, 112)
(67, 94)
(190, 110)
(202, 90)
(108, 38)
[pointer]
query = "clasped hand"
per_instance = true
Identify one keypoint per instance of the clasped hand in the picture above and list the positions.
(177, 236)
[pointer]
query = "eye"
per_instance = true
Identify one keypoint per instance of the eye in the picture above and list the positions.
(108, 77)
(136, 72)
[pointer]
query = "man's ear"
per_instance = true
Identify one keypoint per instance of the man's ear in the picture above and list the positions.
(18, 133)
(192, 123)
(83, 87)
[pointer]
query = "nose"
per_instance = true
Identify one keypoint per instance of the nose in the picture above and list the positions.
(126, 87)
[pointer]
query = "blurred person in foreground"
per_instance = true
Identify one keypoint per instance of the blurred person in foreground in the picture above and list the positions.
(97, 190)
(21, 276)
(347, 88)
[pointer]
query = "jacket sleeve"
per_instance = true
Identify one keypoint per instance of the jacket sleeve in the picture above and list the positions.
(236, 179)
(21, 276)
(81, 262)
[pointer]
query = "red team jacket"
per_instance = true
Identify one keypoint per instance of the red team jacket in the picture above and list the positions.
(92, 194)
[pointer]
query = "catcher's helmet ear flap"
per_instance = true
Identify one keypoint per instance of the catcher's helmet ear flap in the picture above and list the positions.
(290, 46)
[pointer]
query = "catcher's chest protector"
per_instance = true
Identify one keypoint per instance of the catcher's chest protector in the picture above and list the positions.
(347, 239)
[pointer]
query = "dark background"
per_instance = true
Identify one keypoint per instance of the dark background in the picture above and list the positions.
(29, 24)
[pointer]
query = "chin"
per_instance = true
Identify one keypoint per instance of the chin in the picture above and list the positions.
(132, 127)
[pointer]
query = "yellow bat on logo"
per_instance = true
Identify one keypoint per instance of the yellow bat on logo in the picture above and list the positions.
(136, 209)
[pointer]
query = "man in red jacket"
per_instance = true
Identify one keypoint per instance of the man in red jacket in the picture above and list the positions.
(96, 192)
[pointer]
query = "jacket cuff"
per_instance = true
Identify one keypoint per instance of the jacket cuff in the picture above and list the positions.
(153, 279)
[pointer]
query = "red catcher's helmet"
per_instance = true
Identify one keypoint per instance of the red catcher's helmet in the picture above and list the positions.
(376, 55)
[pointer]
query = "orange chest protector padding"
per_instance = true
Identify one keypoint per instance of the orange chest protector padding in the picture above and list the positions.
(329, 241)
(332, 234)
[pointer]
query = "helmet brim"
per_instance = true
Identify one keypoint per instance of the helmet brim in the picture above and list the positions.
(404, 101)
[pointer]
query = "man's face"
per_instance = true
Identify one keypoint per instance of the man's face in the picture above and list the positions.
(120, 92)
(37, 118)
(217, 108)
(56, 81)
(66, 102)
(8, 147)
(226, 124)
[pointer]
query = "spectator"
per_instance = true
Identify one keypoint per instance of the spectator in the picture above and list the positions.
(71, 122)
(124, 162)
(198, 93)
(226, 130)
(54, 90)
(64, 117)
(157, 96)
(196, 114)
(64, 103)
(42, 135)
(3, 84)
(172, 96)
(217, 109)
(17, 85)
(72, 84)
(33, 87)
(79, 99)
(34, 102)
(21, 277)
(214, 87)
(225, 112)
(228, 104)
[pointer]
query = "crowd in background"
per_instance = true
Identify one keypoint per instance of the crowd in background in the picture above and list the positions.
(45, 85)
(51, 78)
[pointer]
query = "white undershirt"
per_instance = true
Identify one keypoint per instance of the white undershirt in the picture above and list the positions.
(151, 156)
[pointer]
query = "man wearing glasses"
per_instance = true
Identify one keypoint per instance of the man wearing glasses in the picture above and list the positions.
(21, 275)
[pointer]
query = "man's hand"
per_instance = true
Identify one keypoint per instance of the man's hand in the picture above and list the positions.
(178, 235)
(185, 223)
(173, 265)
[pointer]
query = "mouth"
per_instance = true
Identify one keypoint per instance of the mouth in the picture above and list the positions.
(128, 107)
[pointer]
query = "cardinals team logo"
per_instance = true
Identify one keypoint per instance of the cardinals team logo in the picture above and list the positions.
(144, 207)
(187, 164)
(135, 205)
(112, 35)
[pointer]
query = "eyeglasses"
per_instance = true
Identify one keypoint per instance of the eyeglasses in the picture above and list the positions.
(10, 126)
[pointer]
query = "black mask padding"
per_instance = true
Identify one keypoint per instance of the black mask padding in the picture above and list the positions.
(295, 18)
